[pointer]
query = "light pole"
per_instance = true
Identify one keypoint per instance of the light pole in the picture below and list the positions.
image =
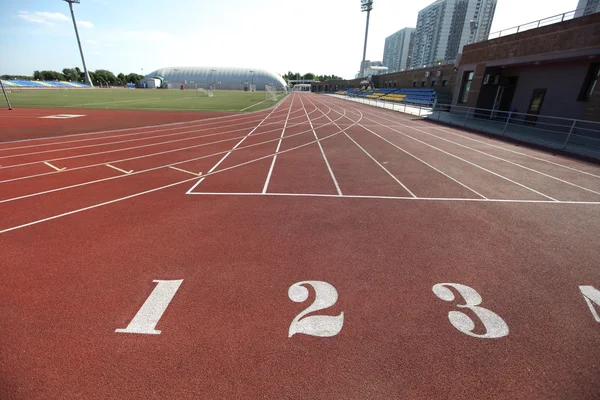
(365, 5)
(85, 71)
(252, 83)
(214, 77)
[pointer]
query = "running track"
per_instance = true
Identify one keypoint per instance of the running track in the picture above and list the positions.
(180, 260)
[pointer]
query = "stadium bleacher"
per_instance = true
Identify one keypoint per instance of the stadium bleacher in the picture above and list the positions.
(417, 96)
(18, 83)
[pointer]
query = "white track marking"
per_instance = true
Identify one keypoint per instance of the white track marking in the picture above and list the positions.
(119, 169)
(247, 115)
(244, 109)
(52, 166)
(337, 187)
(421, 123)
(147, 317)
(591, 296)
(228, 153)
(499, 158)
(157, 189)
(183, 170)
(373, 158)
(315, 325)
(266, 186)
(347, 196)
(470, 163)
(424, 162)
(201, 129)
(135, 147)
(155, 154)
(141, 171)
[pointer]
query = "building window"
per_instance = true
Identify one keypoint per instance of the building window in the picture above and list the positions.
(444, 83)
(433, 82)
(589, 84)
(423, 83)
(464, 93)
(395, 84)
(414, 83)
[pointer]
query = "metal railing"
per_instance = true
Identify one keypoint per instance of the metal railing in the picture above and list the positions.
(573, 135)
(535, 24)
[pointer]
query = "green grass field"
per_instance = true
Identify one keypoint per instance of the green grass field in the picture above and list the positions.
(140, 99)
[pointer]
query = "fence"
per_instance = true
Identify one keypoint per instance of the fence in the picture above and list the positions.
(535, 24)
(572, 135)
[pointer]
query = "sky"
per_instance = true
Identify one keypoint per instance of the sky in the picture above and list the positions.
(319, 36)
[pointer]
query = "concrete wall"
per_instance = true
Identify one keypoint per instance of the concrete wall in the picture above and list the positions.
(562, 83)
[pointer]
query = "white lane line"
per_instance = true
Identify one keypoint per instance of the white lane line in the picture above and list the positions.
(421, 124)
(135, 147)
(508, 161)
(228, 153)
(247, 115)
(244, 109)
(424, 162)
(151, 154)
(337, 187)
(146, 170)
(511, 151)
(52, 166)
(118, 169)
(186, 171)
(157, 189)
(469, 162)
(424, 124)
(198, 129)
(373, 158)
(96, 205)
(335, 196)
(266, 186)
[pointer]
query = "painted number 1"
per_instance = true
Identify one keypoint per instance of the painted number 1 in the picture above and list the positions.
(153, 308)
(591, 296)
(315, 325)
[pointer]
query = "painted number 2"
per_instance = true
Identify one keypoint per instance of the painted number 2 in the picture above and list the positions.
(591, 296)
(493, 323)
(315, 325)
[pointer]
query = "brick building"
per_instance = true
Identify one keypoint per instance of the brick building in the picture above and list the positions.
(553, 70)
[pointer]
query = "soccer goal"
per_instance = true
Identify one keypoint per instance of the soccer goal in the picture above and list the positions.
(270, 93)
(204, 93)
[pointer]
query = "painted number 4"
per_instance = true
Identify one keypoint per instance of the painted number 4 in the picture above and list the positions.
(315, 325)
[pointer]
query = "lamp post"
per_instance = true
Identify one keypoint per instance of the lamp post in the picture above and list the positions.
(85, 71)
(214, 77)
(365, 5)
(252, 81)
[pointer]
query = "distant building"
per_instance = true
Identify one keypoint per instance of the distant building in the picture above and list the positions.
(587, 7)
(446, 26)
(367, 67)
(397, 50)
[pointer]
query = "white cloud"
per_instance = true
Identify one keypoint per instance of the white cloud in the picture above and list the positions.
(96, 53)
(85, 24)
(89, 41)
(42, 17)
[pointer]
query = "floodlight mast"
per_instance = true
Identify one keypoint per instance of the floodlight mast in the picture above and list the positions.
(85, 71)
(365, 5)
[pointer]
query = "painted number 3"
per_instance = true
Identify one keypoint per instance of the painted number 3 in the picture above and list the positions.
(493, 323)
(315, 325)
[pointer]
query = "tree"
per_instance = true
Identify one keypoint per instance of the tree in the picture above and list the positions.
(122, 79)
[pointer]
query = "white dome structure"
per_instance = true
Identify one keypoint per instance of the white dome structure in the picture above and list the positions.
(212, 77)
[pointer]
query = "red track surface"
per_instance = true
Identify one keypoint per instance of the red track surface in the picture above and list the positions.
(28, 123)
(381, 206)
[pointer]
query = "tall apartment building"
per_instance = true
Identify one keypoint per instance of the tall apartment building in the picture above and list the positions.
(444, 28)
(397, 49)
(587, 7)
